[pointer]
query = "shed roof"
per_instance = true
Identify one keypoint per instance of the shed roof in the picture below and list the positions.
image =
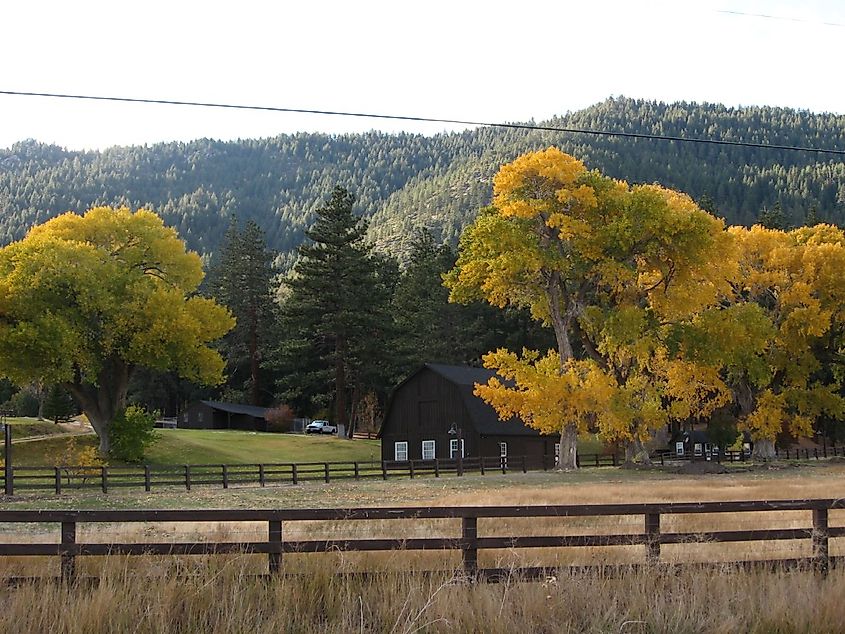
(237, 408)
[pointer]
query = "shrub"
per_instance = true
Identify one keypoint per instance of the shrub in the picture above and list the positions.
(131, 434)
(82, 463)
(279, 419)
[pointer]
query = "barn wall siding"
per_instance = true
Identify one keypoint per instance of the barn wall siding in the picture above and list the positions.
(424, 408)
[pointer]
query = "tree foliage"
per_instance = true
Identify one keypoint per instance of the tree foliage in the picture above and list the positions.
(243, 280)
(84, 300)
(610, 268)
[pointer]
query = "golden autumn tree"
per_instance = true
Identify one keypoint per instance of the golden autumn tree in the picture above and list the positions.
(793, 281)
(84, 300)
(560, 240)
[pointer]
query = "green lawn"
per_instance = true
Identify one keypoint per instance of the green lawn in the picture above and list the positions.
(199, 446)
(23, 427)
(178, 446)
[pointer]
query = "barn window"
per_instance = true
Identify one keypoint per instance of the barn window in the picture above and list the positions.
(557, 453)
(199, 416)
(453, 448)
(503, 450)
(428, 450)
(697, 449)
(679, 448)
(400, 451)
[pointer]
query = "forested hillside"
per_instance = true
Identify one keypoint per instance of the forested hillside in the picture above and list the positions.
(406, 181)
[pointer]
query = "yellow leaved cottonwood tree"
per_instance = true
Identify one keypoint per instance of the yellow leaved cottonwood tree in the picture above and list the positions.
(86, 299)
(793, 376)
(585, 253)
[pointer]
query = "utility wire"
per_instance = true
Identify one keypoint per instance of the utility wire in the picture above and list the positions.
(777, 17)
(487, 124)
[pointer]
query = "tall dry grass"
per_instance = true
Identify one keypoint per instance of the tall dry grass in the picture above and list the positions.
(219, 595)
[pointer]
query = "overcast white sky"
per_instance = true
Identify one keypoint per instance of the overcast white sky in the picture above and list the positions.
(455, 59)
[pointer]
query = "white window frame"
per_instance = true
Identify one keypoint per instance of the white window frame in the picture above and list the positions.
(697, 449)
(453, 448)
(503, 450)
(400, 448)
(679, 448)
(557, 453)
(429, 450)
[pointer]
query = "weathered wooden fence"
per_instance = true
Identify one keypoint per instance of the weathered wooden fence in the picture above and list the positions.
(467, 538)
(148, 477)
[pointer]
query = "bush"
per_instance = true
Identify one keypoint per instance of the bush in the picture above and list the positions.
(131, 434)
(77, 462)
(279, 419)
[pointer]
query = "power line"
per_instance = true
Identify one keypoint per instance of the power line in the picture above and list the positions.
(777, 17)
(392, 117)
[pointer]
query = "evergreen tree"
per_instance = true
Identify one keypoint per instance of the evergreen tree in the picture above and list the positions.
(243, 281)
(773, 218)
(58, 404)
(336, 321)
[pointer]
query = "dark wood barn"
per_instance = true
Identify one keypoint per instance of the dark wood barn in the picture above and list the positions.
(426, 405)
(215, 415)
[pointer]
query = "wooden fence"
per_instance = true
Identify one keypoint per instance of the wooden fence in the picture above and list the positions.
(148, 477)
(467, 541)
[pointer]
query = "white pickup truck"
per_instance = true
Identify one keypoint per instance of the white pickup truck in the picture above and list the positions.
(320, 427)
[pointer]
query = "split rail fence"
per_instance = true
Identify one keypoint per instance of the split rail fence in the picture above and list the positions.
(466, 539)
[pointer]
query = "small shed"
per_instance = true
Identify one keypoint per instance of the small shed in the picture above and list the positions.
(217, 415)
(427, 404)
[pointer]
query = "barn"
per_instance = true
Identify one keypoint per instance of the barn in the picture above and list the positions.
(216, 415)
(438, 398)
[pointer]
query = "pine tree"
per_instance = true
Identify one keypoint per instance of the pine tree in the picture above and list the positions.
(58, 404)
(336, 321)
(243, 281)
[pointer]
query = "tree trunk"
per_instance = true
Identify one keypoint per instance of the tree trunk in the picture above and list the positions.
(636, 452)
(102, 402)
(253, 356)
(340, 382)
(764, 449)
(568, 447)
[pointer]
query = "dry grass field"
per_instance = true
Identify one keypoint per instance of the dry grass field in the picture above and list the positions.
(220, 594)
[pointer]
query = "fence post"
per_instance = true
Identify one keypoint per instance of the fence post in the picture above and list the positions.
(821, 551)
(437, 468)
(598, 458)
(652, 531)
(469, 539)
(383, 470)
(68, 551)
(275, 542)
(187, 477)
(481, 463)
(357, 471)
(816, 453)
(293, 475)
(411, 469)
(545, 462)
(225, 476)
(504, 465)
(326, 471)
(148, 480)
(261, 479)
(57, 475)
(613, 457)
(104, 478)
(525, 465)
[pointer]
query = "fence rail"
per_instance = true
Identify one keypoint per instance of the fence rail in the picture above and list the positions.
(75, 477)
(468, 541)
